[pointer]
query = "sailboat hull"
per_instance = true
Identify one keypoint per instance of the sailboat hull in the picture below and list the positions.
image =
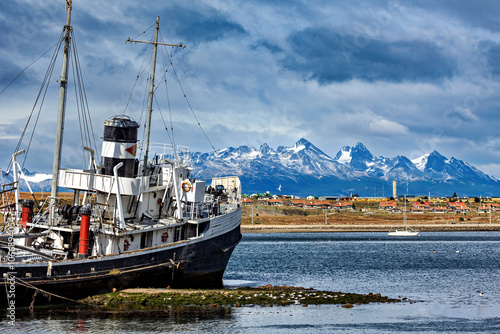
(193, 263)
(402, 233)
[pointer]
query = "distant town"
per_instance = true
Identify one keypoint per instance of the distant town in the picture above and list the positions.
(416, 204)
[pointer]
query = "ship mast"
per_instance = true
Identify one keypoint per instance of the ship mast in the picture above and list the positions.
(151, 90)
(61, 113)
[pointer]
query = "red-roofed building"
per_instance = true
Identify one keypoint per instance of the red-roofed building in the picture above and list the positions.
(317, 204)
(416, 207)
(484, 208)
(340, 206)
(495, 207)
(439, 209)
(275, 202)
(298, 203)
(387, 205)
(246, 202)
(459, 207)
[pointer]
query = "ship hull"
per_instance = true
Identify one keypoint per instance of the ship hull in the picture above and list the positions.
(196, 263)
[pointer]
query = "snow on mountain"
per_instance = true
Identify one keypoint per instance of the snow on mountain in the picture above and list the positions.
(37, 177)
(420, 162)
(36, 180)
(308, 170)
(357, 157)
(344, 155)
(303, 169)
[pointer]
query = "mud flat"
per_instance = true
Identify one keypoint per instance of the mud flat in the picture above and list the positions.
(265, 296)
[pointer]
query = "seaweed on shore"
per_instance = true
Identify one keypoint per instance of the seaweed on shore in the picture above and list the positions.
(246, 296)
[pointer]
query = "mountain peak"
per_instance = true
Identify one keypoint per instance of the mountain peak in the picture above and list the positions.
(436, 154)
(361, 151)
(344, 155)
(264, 148)
(435, 162)
(360, 146)
(357, 157)
(303, 141)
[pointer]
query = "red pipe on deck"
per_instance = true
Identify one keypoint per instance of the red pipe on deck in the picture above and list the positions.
(27, 213)
(84, 231)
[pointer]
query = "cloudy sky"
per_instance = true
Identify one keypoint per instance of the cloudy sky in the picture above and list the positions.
(402, 77)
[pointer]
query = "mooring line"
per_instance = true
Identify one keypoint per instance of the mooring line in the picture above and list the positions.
(28, 285)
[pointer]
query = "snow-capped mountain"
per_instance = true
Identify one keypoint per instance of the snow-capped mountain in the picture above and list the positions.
(304, 169)
(36, 181)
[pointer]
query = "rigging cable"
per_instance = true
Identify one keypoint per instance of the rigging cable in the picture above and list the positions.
(170, 56)
(145, 31)
(24, 69)
(189, 104)
(161, 115)
(170, 134)
(80, 94)
(185, 97)
(43, 89)
(142, 69)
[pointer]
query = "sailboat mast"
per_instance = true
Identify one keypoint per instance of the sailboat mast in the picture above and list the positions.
(150, 98)
(61, 112)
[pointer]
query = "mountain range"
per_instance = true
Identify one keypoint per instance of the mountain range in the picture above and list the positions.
(304, 169)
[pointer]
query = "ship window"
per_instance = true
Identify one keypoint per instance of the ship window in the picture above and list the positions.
(203, 227)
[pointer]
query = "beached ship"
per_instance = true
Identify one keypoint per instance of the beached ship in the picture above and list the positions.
(133, 222)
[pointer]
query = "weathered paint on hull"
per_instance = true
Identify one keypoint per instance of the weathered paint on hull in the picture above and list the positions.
(198, 264)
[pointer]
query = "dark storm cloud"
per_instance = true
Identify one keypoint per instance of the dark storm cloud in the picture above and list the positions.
(484, 14)
(197, 27)
(491, 51)
(8, 72)
(327, 56)
(273, 48)
(97, 27)
(25, 24)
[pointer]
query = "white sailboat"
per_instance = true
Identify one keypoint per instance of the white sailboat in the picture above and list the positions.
(407, 231)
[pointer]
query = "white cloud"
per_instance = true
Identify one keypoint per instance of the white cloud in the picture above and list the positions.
(387, 127)
(466, 113)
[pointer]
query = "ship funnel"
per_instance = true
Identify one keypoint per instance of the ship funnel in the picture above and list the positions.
(120, 145)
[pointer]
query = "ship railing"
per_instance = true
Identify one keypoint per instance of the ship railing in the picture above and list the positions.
(199, 210)
(161, 176)
(105, 213)
(44, 212)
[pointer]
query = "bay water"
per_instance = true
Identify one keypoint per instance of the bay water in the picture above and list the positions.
(441, 273)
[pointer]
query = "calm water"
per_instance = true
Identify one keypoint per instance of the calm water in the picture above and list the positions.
(442, 272)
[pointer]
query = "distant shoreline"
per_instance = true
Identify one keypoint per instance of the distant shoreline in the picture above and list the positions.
(303, 228)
